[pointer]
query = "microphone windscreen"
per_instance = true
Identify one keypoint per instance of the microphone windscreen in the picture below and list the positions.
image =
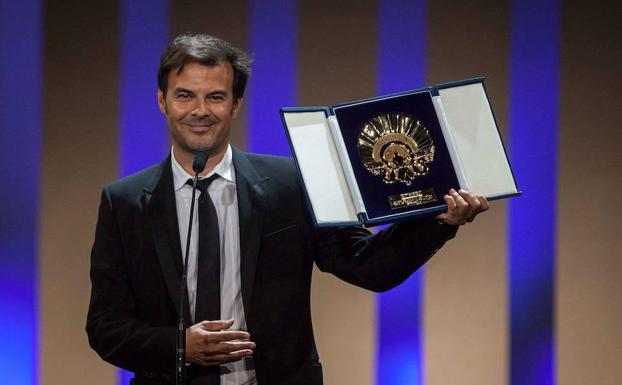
(200, 159)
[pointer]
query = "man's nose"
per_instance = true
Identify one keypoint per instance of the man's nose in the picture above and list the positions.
(201, 109)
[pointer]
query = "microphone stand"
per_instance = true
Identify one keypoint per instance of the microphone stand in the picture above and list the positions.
(200, 159)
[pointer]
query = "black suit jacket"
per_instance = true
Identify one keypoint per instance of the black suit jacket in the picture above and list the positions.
(136, 267)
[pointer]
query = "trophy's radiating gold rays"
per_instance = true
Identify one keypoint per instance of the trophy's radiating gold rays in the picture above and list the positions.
(396, 147)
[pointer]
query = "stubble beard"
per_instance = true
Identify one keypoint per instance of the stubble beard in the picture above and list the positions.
(188, 146)
(185, 142)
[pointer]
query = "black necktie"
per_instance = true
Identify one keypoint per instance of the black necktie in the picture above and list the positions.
(207, 303)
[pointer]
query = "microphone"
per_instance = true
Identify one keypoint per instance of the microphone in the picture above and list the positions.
(200, 159)
(198, 165)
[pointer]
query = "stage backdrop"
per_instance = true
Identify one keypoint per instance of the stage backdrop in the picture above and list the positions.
(529, 294)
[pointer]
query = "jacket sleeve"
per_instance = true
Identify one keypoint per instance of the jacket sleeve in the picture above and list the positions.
(383, 260)
(113, 329)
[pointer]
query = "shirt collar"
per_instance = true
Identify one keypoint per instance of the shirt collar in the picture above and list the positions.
(224, 168)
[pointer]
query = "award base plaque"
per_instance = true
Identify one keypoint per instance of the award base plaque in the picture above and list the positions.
(412, 199)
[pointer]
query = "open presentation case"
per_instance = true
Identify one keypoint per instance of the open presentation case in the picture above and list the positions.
(394, 157)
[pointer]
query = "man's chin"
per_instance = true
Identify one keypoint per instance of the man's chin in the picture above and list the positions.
(193, 148)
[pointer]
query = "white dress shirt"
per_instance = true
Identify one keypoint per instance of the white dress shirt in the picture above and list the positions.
(222, 191)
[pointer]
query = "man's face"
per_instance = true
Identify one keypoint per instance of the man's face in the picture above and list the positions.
(199, 107)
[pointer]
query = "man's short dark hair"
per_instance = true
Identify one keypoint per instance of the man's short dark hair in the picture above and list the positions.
(207, 50)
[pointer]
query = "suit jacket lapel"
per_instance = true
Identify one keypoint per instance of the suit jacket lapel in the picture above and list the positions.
(161, 209)
(251, 191)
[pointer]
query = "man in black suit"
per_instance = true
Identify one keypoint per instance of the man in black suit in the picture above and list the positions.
(267, 244)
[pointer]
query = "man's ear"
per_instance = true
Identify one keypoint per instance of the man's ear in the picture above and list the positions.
(161, 102)
(237, 105)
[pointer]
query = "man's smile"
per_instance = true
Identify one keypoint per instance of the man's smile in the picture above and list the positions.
(200, 127)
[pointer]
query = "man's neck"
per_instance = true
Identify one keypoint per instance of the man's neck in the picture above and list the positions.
(186, 159)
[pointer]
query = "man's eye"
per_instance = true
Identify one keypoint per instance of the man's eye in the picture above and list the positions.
(184, 96)
(217, 97)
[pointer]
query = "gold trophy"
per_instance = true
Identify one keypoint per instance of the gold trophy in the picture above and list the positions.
(396, 147)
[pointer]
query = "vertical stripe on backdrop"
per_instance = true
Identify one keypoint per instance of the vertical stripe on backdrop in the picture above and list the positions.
(143, 134)
(401, 66)
(144, 34)
(534, 115)
(337, 51)
(20, 155)
(273, 46)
